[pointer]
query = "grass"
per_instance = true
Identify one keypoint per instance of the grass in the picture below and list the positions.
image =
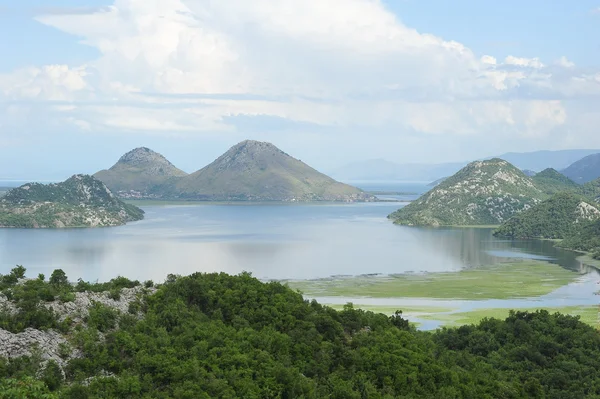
(507, 280)
(588, 314)
(389, 310)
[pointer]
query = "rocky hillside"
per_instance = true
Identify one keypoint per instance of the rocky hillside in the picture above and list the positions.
(139, 173)
(584, 170)
(557, 217)
(259, 171)
(81, 201)
(591, 190)
(483, 193)
(551, 182)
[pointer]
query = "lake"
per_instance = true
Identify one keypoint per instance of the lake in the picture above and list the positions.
(273, 241)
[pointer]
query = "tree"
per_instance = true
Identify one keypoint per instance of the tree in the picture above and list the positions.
(59, 278)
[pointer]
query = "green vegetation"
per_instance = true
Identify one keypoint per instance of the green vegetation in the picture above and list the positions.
(551, 182)
(509, 280)
(258, 171)
(591, 190)
(142, 171)
(587, 314)
(249, 171)
(482, 193)
(221, 336)
(81, 201)
(556, 218)
(29, 296)
(586, 238)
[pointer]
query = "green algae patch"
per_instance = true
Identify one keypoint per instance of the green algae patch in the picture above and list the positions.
(587, 314)
(502, 281)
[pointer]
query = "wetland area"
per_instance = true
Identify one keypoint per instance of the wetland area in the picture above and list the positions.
(335, 253)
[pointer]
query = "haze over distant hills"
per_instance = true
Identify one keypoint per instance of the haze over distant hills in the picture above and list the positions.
(584, 170)
(248, 171)
(380, 169)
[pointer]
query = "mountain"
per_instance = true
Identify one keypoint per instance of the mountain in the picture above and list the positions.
(259, 171)
(584, 170)
(139, 173)
(586, 238)
(529, 173)
(551, 182)
(482, 193)
(81, 201)
(557, 217)
(380, 169)
(540, 160)
(591, 190)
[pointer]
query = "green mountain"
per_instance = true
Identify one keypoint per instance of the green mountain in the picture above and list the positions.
(557, 217)
(584, 170)
(586, 238)
(259, 171)
(81, 201)
(551, 182)
(482, 193)
(591, 190)
(139, 173)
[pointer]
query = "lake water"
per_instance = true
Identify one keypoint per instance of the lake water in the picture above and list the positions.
(273, 241)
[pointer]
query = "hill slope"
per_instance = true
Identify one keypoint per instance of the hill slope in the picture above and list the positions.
(484, 192)
(551, 182)
(586, 238)
(557, 217)
(139, 173)
(591, 190)
(584, 170)
(258, 171)
(81, 201)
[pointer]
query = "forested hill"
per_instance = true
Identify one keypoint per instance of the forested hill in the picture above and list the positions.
(221, 336)
(551, 182)
(483, 192)
(558, 217)
(80, 201)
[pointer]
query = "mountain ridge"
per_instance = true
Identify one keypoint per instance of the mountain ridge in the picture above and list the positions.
(482, 193)
(260, 171)
(80, 201)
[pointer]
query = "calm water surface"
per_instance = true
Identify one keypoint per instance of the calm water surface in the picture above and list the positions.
(273, 241)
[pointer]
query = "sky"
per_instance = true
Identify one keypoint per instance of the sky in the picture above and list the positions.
(329, 82)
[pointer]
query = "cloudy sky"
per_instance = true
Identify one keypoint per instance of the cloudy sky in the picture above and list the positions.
(328, 81)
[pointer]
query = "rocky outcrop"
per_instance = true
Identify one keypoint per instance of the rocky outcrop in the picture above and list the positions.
(47, 345)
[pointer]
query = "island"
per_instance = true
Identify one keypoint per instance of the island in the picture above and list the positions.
(80, 201)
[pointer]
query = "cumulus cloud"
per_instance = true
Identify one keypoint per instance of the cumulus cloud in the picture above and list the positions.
(195, 65)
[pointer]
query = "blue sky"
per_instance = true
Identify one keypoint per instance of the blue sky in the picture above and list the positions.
(82, 82)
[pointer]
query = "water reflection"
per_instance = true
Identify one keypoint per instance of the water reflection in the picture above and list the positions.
(271, 241)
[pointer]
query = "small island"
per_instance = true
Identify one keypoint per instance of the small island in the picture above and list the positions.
(80, 201)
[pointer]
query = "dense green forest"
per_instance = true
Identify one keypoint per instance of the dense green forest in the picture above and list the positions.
(222, 336)
(551, 182)
(559, 217)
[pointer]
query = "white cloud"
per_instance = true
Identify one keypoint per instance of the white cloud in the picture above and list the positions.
(564, 62)
(524, 62)
(341, 63)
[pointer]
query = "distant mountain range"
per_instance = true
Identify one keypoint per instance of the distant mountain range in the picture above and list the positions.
(584, 170)
(380, 169)
(249, 171)
(81, 201)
